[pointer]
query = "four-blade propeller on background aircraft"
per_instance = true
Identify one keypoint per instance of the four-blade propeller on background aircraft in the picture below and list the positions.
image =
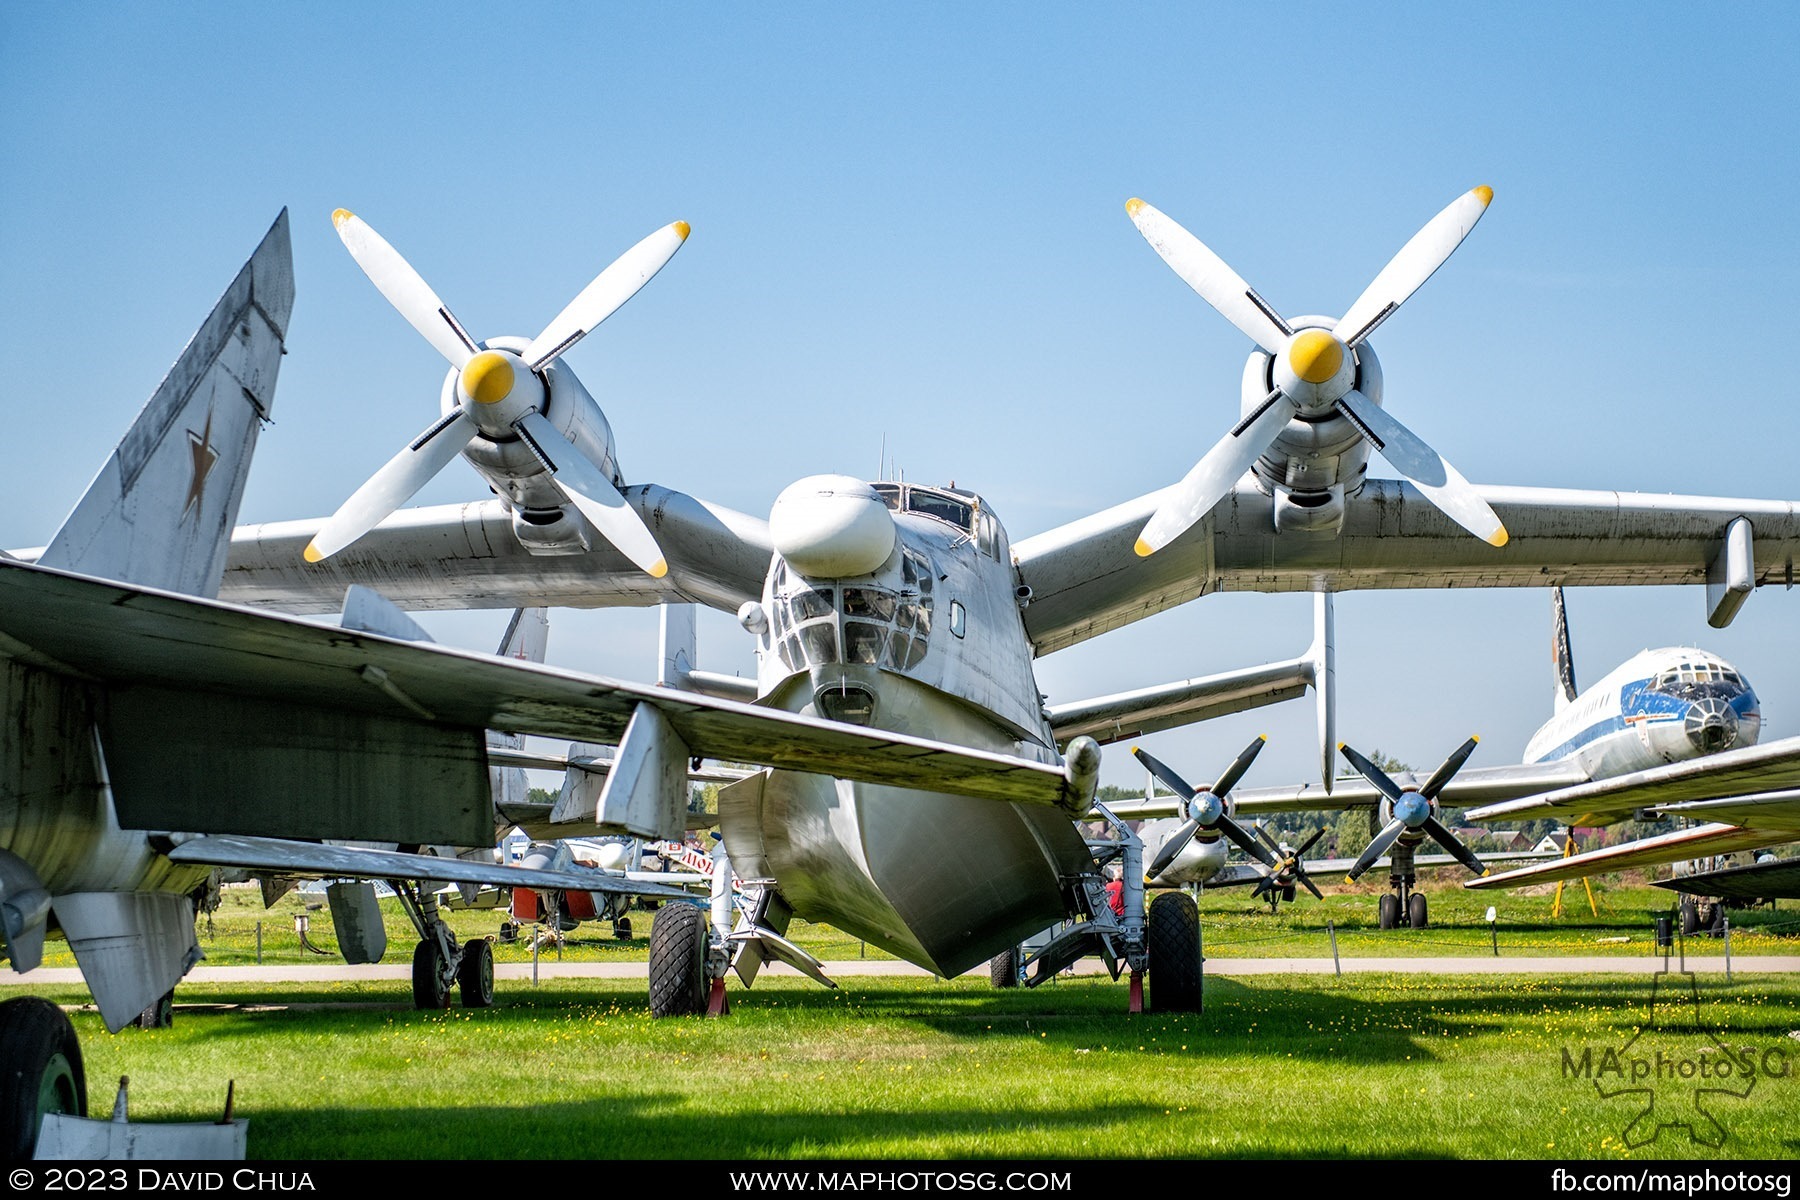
(500, 394)
(1414, 811)
(1314, 372)
(1205, 808)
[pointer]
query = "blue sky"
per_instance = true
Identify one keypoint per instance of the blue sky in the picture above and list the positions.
(909, 224)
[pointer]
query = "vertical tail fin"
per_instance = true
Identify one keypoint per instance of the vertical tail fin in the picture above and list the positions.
(161, 510)
(1560, 654)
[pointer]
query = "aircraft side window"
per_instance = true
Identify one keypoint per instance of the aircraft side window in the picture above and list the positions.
(862, 642)
(898, 647)
(916, 653)
(791, 655)
(985, 540)
(810, 605)
(821, 643)
(922, 621)
(959, 619)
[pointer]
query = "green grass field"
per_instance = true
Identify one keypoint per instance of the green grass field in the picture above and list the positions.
(1234, 926)
(1277, 1066)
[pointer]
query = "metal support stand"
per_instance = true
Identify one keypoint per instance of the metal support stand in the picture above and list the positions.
(1336, 963)
(718, 1004)
(1137, 993)
(1727, 924)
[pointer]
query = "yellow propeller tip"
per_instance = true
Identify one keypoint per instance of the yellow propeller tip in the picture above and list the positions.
(1133, 206)
(1262, 737)
(1474, 737)
(340, 215)
(1144, 549)
(312, 553)
(1499, 538)
(1341, 745)
(658, 569)
(683, 228)
(1485, 194)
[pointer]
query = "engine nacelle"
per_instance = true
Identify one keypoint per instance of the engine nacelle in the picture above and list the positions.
(515, 473)
(552, 530)
(1315, 462)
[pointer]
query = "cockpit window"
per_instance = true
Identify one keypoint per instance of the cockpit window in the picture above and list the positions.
(945, 508)
(889, 493)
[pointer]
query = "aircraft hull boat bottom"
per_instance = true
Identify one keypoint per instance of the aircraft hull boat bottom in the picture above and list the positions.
(942, 881)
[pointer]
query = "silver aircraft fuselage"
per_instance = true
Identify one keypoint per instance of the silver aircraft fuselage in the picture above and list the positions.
(930, 643)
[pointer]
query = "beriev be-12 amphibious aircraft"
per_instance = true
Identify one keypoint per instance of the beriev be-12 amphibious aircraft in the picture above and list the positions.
(894, 614)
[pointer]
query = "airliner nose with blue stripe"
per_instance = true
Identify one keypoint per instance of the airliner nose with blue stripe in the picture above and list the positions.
(1660, 706)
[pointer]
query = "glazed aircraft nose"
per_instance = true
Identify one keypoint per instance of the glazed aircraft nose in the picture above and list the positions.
(1712, 726)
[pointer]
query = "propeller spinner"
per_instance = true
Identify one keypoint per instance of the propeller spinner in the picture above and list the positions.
(1314, 372)
(500, 394)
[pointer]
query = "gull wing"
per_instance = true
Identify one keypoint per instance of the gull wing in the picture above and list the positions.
(1086, 578)
(216, 718)
(465, 556)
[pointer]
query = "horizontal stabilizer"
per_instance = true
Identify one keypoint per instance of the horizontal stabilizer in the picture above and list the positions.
(350, 862)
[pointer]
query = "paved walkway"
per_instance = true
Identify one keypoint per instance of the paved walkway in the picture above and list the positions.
(1742, 964)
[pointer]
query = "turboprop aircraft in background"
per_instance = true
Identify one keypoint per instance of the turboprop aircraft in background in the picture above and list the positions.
(1666, 706)
(888, 614)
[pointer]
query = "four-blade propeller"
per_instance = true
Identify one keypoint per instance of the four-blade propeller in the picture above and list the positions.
(1413, 811)
(1314, 372)
(1205, 808)
(500, 394)
(1290, 867)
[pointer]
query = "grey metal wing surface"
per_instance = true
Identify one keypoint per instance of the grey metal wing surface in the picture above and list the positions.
(457, 556)
(1742, 786)
(311, 860)
(216, 718)
(1762, 881)
(1678, 846)
(1086, 578)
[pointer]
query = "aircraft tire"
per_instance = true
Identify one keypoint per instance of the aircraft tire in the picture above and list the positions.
(1003, 968)
(40, 1072)
(475, 975)
(678, 962)
(1418, 914)
(1690, 916)
(1388, 911)
(622, 929)
(1176, 979)
(159, 1015)
(429, 989)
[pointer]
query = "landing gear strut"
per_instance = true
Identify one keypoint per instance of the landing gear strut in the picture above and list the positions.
(440, 963)
(1402, 902)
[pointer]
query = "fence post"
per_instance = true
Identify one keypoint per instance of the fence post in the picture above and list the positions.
(259, 943)
(536, 944)
(1727, 923)
(1336, 963)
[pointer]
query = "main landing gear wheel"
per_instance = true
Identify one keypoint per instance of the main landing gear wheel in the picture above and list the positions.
(1173, 938)
(40, 1072)
(1416, 912)
(160, 1015)
(678, 962)
(1003, 968)
(1690, 916)
(475, 974)
(1389, 911)
(429, 988)
(622, 929)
